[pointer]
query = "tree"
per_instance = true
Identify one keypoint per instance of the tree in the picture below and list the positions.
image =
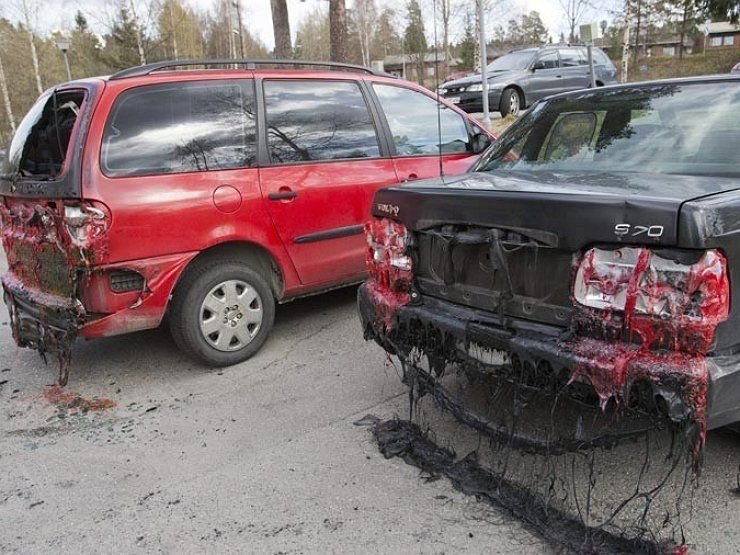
(179, 31)
(337, 31)
(415, 41)
(122, 48)
(529, 30)
(533, 29)
(720, 9)
(365, 20)
(468, 45)
(312, 36)
(573, 11)
(281, 29)
(26, 7)
(386, 38)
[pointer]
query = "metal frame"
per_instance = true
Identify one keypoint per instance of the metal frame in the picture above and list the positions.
(247, 64)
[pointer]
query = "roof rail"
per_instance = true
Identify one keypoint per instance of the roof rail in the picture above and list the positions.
(148, 69)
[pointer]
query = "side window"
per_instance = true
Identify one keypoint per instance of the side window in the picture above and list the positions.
(318, 120)
(571, 57)
(181, 127)
(548, 60)
(412, 118)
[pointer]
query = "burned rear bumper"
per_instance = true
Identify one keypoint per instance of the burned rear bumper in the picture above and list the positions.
(456, 327)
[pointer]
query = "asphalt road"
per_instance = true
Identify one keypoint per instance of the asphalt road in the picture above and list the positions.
(261, 457)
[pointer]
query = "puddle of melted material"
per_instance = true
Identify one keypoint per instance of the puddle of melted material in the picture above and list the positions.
(404, 439)
(71, 401)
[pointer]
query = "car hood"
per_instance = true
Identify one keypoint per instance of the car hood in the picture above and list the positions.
(493, 76)
(577, 208)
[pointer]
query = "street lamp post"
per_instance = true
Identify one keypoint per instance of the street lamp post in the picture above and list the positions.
(483, 63)
(63, 45)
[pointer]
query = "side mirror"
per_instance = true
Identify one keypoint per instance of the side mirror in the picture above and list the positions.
(539, 64)
(479, 142)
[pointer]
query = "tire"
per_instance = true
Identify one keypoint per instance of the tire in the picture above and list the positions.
(227, 298)
(511, 102)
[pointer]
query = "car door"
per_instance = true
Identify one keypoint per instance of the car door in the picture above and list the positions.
(424, 133)
(323, 154)
(574, 66)
(546, 77)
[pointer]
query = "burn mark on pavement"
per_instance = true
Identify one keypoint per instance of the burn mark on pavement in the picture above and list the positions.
(404, 439)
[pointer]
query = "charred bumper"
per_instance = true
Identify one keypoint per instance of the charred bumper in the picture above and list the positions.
(41, 321)
(461, 333)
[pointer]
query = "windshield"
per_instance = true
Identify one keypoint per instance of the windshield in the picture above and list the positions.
(39, 146)
(515, 60)
(671, 128)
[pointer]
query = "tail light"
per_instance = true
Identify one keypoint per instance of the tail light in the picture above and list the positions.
(642, 282)
(86, 221)
(387, 260)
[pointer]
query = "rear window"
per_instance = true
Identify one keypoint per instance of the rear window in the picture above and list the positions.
(40, 145)
(683, 129)
(181, 127)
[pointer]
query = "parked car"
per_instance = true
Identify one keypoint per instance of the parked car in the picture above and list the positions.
(209, 194)
(597, 241)
(519, 79)
(735, 68)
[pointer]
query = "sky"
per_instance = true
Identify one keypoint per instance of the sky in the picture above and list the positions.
(59, 14)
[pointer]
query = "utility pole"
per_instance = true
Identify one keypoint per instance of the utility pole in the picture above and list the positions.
(63, 45)
(6, 98)
(237, 5)
(483, 62)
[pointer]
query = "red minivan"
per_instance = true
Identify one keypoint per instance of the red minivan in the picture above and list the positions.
(206, 191)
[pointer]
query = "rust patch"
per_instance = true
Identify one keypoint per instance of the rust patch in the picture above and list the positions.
(72, 402)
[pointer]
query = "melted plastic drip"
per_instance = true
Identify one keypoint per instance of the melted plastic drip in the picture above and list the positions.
(388, 285)
(664, 340)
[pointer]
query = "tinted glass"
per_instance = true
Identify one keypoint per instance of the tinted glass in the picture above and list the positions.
(318, 120)
(181, 127)
(412, 117)
(515, 60)
(570, 57)
(683, 129)
(39, 147)
(548, 60)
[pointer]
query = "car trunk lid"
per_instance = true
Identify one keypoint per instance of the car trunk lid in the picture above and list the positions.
(485, 238)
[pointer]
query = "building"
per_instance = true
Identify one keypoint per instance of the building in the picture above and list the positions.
(405, 66)
(723, 35)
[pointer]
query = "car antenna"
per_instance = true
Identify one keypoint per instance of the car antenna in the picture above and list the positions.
(436, 89)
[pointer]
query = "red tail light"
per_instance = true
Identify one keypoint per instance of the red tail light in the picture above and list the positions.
(387, 260)
(658, 296)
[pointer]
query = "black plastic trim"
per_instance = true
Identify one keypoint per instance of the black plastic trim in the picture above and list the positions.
(335, 233)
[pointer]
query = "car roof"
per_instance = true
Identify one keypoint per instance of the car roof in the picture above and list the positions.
(252, 65)
(716, 78)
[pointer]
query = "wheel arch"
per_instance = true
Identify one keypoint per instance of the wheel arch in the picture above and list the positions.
(258, 256)
(520, 92)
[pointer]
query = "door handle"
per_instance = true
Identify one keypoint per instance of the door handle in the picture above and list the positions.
(410, 177)
(285, 193)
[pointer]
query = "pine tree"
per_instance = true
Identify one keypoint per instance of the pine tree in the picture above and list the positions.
(415, 41)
